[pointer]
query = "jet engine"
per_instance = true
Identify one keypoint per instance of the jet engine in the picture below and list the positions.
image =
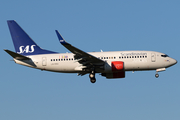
(114, 69)
(114, 66)
(114, 75)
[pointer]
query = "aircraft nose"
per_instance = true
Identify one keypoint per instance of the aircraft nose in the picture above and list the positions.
(173, 61)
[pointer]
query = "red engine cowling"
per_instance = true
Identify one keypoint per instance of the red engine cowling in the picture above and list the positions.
(114, 66)
(115, 69)
(117, 65)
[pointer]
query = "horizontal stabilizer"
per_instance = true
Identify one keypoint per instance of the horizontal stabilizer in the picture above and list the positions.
(16, 55)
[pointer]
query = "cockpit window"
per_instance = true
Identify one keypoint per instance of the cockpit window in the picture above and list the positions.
(164, 56)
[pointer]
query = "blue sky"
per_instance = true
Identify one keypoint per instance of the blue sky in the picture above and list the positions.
(115, 25)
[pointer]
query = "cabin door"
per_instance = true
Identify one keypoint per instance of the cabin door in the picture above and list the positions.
(44, 61)
(153, 57)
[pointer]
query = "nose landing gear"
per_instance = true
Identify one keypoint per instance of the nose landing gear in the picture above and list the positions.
(156, 75)
(159, 70)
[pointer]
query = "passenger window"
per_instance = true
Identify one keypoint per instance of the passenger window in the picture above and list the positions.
(132, 56)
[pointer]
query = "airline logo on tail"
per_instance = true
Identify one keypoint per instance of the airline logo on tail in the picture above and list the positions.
(26, 49)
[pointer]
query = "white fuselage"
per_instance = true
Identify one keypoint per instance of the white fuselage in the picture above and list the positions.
(133, 61)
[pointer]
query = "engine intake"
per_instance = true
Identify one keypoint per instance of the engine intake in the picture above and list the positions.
(114, 69)
(114, 66)
(117, 65)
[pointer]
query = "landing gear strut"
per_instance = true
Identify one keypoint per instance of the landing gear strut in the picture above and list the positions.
(159, 70)
(92, 77)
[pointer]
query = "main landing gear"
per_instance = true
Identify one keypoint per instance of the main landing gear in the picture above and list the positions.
(92, 77)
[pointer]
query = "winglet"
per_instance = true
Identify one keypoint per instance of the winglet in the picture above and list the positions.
(61, 39)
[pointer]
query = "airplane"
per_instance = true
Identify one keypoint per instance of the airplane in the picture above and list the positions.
(111, 65)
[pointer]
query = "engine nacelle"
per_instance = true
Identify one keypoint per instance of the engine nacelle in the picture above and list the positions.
(114, 75)
(114, 69)
(114, 66)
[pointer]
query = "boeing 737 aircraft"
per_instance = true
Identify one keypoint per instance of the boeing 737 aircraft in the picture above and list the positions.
(108, 64)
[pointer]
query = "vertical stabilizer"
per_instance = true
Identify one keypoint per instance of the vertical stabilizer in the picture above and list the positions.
(22, 42)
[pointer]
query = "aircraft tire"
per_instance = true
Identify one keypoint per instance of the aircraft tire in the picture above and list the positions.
(93, 80)
(156, 75)
(91, 75)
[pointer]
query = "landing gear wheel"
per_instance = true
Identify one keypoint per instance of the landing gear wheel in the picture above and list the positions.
(92, 77)
(156, 75)
(93, 80)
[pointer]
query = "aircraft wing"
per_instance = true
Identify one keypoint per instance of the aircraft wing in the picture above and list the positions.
(82, 57)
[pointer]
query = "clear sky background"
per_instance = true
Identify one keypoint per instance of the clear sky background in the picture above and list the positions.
(114, 25)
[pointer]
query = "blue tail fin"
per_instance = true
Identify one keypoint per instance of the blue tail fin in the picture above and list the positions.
(23, 44)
